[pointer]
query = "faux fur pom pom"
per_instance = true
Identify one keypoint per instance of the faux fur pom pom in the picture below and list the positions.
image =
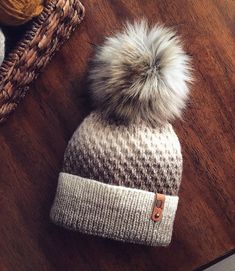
(141, 73)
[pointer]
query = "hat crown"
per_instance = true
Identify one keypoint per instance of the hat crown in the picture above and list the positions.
(136, 156)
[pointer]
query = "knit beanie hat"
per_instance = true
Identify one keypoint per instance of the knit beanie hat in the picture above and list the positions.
(122, 167)
(2, 47)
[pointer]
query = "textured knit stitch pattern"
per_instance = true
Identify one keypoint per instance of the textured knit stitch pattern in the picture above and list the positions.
(137, 156)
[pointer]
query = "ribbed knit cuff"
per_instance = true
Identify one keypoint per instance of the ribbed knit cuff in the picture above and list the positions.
(111, 211)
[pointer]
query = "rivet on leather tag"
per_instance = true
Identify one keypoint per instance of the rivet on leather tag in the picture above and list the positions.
(158, 207)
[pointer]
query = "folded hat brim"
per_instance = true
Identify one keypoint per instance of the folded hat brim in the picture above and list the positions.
(115, 212)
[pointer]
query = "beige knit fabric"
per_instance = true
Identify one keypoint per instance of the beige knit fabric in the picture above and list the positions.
(111, 211)
(136, 156)
(110, 175)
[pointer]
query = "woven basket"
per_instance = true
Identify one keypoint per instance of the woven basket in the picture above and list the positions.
(47, 33)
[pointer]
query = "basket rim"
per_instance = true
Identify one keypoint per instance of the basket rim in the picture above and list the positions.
(11, 59)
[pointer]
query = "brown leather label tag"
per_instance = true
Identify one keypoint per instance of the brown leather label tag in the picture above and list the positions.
(158, 207)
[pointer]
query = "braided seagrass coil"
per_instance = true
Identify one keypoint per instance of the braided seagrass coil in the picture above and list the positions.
(48, 32)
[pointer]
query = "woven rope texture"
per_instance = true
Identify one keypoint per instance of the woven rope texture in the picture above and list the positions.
(48, 32)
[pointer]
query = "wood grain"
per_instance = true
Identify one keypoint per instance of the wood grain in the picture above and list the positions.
(34, 139)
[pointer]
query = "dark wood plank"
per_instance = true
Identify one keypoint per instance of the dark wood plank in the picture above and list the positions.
(34, 138)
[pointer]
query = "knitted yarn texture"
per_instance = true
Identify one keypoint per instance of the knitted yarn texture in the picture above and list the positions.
(110, 175)
(17, 12)
(123, 165)
(135, 156)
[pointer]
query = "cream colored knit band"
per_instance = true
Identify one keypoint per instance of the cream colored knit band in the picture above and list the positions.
(111, 211)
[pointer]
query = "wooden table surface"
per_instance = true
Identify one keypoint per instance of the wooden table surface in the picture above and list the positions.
(33, 140)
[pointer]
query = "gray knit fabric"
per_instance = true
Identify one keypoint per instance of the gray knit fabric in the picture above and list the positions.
(2, 46)
(110, 175)
(111, 211)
